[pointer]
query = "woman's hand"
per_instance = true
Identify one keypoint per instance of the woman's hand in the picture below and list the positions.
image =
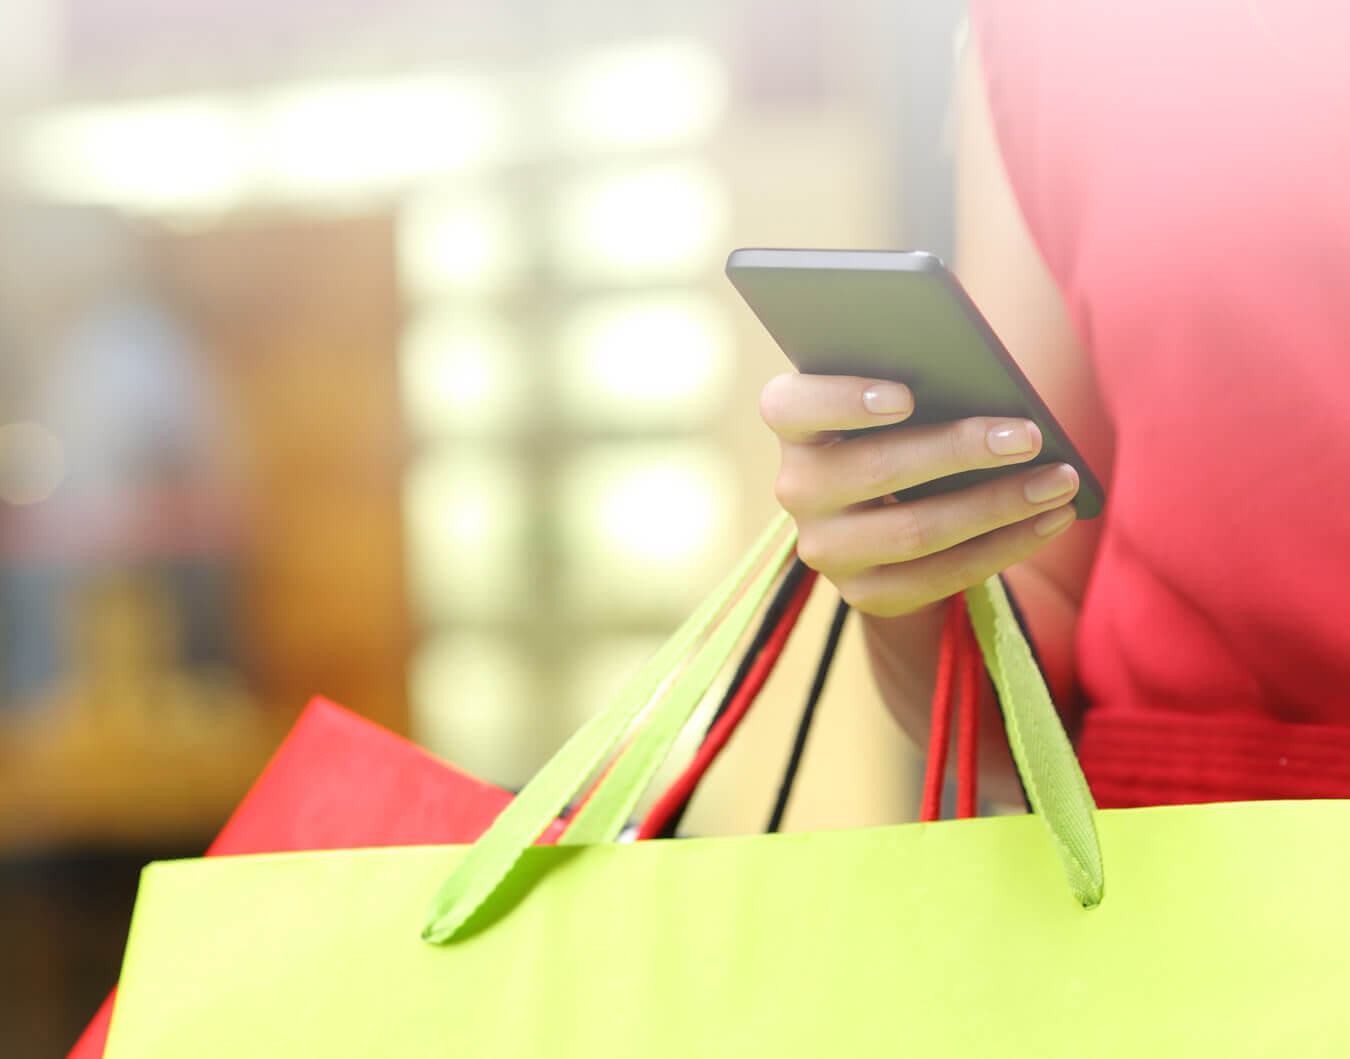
(889, 557)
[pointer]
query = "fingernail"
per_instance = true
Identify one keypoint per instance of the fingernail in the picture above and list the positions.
(888, 399)
(1014, 439)
(1057, 481)
(1053, 522)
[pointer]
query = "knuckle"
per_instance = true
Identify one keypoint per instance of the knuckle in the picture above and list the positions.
(787, 490)
(1008, 504)
(812, 547)
(874, 463)
(875, 594)
(774, 399)
(909, 533)
(968, 446)
(798, 485)
(855, 593)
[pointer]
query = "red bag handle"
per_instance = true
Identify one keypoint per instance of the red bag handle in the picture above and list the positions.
(720, 733)
(960, 669)
(959, 684)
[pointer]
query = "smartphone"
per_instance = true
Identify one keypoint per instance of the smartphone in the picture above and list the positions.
(901, 315)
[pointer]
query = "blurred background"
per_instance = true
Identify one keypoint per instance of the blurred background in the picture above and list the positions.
(383, 351)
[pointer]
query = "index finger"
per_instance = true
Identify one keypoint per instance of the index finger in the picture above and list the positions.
(810, 409)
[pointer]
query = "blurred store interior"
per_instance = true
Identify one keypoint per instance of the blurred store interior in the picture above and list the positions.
(383, 352)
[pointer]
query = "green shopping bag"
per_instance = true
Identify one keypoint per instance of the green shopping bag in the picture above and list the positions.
(1191, 930)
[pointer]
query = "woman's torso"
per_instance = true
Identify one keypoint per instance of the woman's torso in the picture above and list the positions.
(1185, 170)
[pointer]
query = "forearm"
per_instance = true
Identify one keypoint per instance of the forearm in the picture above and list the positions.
(903, 654)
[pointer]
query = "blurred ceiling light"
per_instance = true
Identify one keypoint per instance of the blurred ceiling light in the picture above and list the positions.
(191, 154)
(466, 518)
(471, 700)
(32, 463)
(358, 137)
(461, 374)
(645, 363)
(644, 526)
(641, 94)
(451, 245)
(641, 225)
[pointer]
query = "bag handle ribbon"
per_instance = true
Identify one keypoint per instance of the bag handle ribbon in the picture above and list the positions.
(669, 687)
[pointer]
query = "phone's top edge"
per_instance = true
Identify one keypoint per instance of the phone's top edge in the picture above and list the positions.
(880, 260)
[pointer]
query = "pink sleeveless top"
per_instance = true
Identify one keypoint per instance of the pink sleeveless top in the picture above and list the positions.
(1184, 167)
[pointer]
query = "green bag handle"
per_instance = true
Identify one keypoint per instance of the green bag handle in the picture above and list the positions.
(686, 666)
(1054, 782)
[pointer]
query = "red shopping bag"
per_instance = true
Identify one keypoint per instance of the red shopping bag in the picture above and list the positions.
(340, 782)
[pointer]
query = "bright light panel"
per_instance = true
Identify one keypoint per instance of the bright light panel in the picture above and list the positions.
(466, 516)
(645, 363)
(461, 374)
(449, 244)
(645, 527)
(639, 95)
(472, 702)
(312, 143)
(186, 154)
(641, 225)
(378, 135)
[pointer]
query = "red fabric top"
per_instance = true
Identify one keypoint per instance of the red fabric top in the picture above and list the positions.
(1185, 169)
